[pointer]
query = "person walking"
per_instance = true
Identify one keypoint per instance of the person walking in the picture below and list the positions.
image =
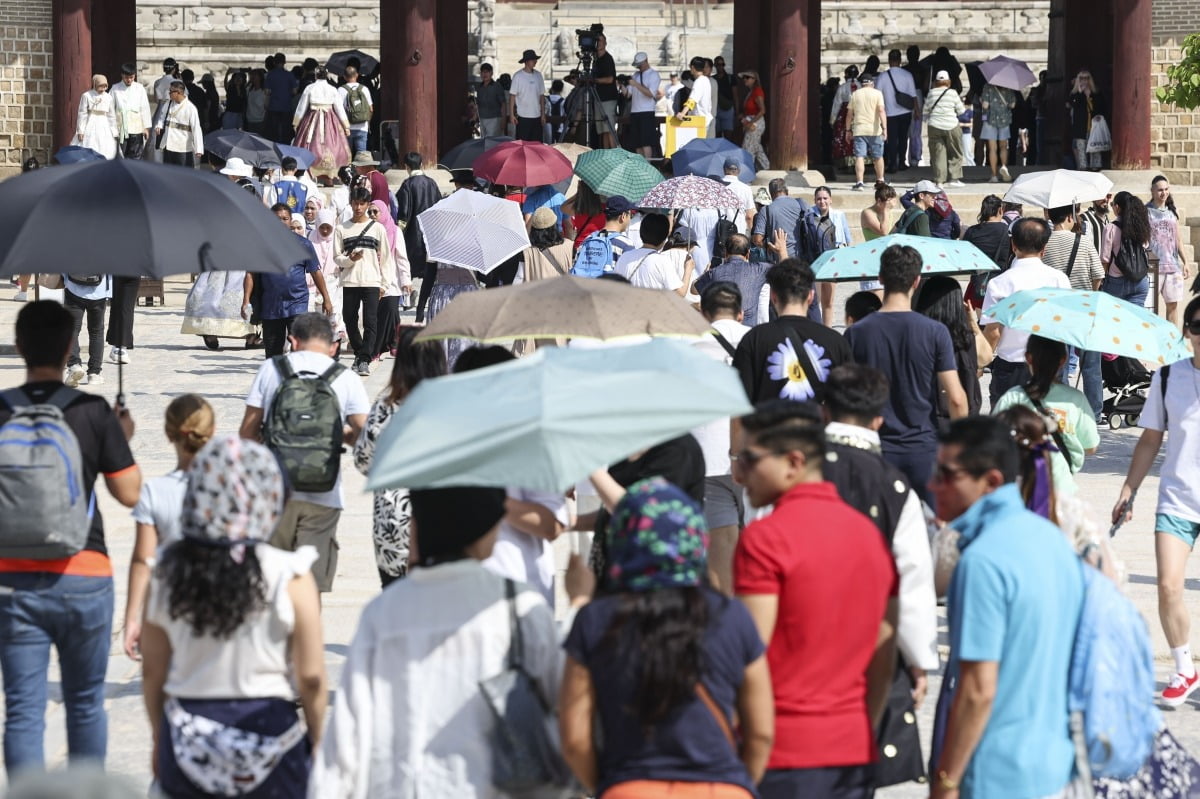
(416, 194)
(391, 515)
(362, 250)
(1084, 104)
(900, 96)
(233, 662)
(916, 355)
(1029, 237)
(997, 103)
(942, 107)
(782, 214)
(527, 99)
(189, 423)
(1014, 604)
(1132, 225)
(843, 145)
(492, 102)
(835, 583)
(96, 120)
(87, 296)
(322, 126)
(867, 125)
(1172, 411)
(749, 277)
(356, 99)
(120, 318)
(180, 139)
(132, 107)
(660, 695)
(1167, 245)
(236, 99)
(64, 602)
(453, 618)
(824, 228)
(940, 298)
(754, 118)
(310, 517)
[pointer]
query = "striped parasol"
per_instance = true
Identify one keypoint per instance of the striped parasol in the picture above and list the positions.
(473, 230)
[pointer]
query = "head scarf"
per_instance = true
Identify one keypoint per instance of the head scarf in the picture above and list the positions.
(324, 244)
(657, 539)
(385, 219)
(316, 199)
(451, 519)
(234, 495)
(97, 80)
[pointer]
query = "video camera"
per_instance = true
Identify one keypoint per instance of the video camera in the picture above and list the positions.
(589, 38)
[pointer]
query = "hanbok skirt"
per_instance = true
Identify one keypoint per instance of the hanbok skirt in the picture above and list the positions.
(321, 133)
(450, 283)
(99, 136)
(214, 306)
(842, 148)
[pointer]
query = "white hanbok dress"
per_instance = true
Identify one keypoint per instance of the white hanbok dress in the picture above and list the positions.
(96, 124)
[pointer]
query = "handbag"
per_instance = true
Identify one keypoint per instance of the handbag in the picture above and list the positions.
(1100, 139)
(53, 282)
(899, 742)
(527, 760)
(903, 99)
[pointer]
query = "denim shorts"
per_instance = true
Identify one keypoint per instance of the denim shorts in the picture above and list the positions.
(868, 147)
(991, 133)
(1186, 531)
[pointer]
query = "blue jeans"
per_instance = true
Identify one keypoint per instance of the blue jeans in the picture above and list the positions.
(74, 614)
(1093, 383)
(1125, 289)
(358, 141)
(1005, 375)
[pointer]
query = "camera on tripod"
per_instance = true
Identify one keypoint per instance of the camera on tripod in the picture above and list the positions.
(589, 39)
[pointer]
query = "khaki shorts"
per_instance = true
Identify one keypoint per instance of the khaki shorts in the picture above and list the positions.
(308, 524)
(609, 112)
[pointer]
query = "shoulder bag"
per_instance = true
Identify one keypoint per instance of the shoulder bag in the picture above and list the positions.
(903, 99)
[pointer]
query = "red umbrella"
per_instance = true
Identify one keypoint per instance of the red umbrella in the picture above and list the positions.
(523, 163)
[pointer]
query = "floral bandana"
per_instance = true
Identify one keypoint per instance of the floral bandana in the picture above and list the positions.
(657, 539)
(234, 495)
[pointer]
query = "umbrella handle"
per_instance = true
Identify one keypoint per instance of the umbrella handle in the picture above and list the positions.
(120, 383)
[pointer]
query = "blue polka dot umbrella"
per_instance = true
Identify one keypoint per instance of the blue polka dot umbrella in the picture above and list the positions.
(940, 257)
(1091, 320)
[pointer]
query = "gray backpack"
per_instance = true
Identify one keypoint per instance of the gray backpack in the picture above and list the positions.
(46, 508)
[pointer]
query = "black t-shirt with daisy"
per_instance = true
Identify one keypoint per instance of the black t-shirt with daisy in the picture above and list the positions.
(789, 358)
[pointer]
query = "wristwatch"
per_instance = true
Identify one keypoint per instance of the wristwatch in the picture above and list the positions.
(946, 782)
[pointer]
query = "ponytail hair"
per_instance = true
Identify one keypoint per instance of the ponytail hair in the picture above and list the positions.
(190, 420)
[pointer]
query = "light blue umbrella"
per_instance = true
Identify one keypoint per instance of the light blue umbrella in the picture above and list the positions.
(1092, 320)
(941, 257)
(547, 421)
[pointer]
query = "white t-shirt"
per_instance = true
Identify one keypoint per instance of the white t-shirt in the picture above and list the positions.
(657, 271)
(527, 558)
(639, 102)
(714, 436)
(702, 224)
(161, 504)
(630, 258)
(1178, 492)
(352, 398)
(738, 215)
(701, 92)
(1025, 273)
(528, 88)
(343, 93)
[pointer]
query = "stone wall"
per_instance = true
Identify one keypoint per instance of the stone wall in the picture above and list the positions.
(1174, 149)
(26, 88)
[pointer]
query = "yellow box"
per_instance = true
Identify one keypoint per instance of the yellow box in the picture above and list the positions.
(682, 131)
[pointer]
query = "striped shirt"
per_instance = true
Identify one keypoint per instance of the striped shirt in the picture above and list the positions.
(1087, 267)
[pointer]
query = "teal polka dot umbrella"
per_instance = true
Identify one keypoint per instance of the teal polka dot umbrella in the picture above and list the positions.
(940, 257)
(1091, 320)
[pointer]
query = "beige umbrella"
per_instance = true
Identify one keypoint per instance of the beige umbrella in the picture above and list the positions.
(572, 151)
(565, 307)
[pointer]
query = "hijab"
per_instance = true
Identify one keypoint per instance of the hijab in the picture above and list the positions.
(385, 219)
(324, 244)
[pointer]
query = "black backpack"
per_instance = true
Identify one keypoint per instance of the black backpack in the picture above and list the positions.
(1131, 260)
(725, 229)
(303, 426)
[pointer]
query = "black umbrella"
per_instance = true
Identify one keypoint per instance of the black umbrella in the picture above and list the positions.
(463, 156)
(254, 150)
(367, 64)
(975, 76)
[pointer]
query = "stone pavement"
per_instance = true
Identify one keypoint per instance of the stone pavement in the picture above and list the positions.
(166, 363)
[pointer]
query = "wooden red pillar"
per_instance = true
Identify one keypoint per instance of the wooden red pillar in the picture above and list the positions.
(1131, 87)
(114, 36)
(812, 81)
(409, 72)
(788, 83)
(71, 33)
(749, 20)
(452, 25)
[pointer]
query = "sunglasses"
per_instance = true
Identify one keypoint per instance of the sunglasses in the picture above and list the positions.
(748, 458)
(945, 473)
(1193, 327)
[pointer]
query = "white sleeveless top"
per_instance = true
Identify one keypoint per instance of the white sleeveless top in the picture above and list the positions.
(253, 662)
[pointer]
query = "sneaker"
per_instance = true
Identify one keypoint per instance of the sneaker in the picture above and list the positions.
(21, 296)
(956, 184)
(993, 179)
(858, 186)
(75, 376)
(362, 368)
(118, 355)
(1004, 174)
(1179, 689)
(95, 380)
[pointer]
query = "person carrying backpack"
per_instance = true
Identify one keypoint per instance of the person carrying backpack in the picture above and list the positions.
(56, 579)
(914, 221)
(305, 406)
(1123, 250)
(356, 99)
(598, 253)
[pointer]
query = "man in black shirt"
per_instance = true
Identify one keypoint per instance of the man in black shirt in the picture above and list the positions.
(791, 356)
(604, 75)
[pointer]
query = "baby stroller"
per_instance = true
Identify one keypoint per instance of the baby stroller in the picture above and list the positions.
(1128, 381)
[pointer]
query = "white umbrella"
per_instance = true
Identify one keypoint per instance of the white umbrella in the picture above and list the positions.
(473, 230)
(1058, 187)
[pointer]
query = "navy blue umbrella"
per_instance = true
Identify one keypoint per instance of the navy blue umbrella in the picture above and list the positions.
(463, 155)
(254, 150)
(304, 157)
(74, 154)
(705, 157)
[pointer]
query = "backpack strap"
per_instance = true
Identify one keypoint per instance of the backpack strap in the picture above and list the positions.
(333, 372)
(14, 398)
(62, 397)
(1164, 373)
(284, 367)
(724, 342)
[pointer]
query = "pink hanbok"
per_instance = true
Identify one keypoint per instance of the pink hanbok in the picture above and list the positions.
(321, 126)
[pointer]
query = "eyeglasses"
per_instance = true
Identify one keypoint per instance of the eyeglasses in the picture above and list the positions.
(748, 458)
(1193, 327)
(944, 473)
(175, 91)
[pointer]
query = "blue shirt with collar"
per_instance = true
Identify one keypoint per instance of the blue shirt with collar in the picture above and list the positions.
(286, 295)
(1015, 599)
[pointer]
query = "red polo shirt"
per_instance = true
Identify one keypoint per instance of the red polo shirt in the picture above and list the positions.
(833, 575)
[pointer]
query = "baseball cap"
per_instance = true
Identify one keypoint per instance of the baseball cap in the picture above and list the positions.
(942, 75)
(544, 218)
(640, 57)
(926, 186)
(866, 78)
(733, 163)
(617, 204)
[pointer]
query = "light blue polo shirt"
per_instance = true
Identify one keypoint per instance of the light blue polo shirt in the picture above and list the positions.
(1015, 598)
